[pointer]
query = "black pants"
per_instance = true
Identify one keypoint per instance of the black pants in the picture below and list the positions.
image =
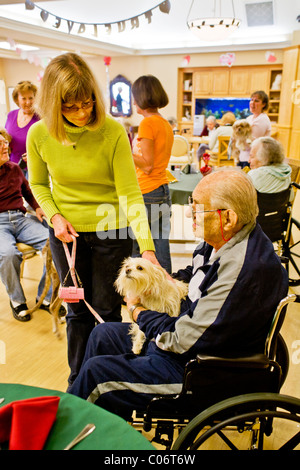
(97, 264)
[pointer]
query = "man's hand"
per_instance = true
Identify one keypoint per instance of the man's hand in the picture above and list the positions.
(40, 214)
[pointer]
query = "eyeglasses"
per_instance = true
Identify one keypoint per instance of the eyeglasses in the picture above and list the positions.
(73, 109)
(191, 202)
(3, 142)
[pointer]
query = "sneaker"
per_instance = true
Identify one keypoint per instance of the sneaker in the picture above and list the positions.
(61, 313)
(19, 312)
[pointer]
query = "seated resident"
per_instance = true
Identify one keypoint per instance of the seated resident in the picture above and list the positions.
(233, 267)
(225, 129)
(268, 171)
(15, 227)
(209, 128)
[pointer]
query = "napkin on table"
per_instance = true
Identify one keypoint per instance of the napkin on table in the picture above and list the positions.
(26, 424)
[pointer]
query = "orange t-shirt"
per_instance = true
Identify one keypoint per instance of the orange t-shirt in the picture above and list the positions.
(158, 129)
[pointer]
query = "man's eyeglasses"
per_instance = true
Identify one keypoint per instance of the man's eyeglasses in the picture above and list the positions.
(3, 142)
(73, 109)
(191, 202)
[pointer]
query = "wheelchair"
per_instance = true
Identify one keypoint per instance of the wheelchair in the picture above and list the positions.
(239, 394)
(275, 218)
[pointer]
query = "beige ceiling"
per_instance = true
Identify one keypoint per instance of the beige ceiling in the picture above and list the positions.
(166, 33)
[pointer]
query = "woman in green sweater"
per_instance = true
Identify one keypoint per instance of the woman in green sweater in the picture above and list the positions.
(82, 174)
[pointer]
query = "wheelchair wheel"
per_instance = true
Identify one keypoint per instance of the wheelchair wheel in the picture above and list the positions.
(258, 421)
(292, 252)
(282, 357)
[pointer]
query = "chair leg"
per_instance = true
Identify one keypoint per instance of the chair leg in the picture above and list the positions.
(22, 268)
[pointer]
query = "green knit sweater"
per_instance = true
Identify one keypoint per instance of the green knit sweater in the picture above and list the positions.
(92, 184)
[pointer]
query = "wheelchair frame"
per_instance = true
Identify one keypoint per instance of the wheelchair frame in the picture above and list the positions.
(275, 218)
(264, 373)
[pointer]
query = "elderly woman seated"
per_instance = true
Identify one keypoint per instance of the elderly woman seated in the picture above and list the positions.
(211, 126)
(268, 171)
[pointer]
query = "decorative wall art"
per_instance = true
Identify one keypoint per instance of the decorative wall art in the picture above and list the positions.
(79, 28)
(120, 97)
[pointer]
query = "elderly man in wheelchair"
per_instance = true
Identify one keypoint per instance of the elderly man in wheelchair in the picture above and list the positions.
(236, 282)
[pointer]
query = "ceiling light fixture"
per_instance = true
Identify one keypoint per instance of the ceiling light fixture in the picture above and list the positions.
(213, 28)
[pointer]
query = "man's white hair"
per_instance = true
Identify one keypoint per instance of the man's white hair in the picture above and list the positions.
(233, 189)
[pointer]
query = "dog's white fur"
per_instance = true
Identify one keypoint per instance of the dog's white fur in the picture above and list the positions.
(241, 137)
(138, 277)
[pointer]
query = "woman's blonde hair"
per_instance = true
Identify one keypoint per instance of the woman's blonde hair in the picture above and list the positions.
(227, 118)
(68, 79)
(23, 87)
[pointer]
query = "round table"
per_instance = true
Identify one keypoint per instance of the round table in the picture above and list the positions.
(181, 190)
(111, 433)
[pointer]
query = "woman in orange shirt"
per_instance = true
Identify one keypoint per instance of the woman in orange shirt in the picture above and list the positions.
(151, 157)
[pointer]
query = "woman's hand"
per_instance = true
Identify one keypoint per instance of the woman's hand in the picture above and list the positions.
(63, 229)
(150, 255)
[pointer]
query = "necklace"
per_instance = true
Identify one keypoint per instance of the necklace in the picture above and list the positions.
(76, 142)
(23, 119)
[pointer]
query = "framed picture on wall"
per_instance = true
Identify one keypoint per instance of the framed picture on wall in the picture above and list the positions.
(120, 97)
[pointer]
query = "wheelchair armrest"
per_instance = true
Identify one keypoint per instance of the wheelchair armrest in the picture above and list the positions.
(257, 361)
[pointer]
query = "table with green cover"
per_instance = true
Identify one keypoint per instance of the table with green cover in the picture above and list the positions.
(181, 190)
(111, 433)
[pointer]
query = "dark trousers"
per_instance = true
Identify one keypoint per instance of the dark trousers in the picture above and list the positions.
(114, 378)
(158, 205)
(97, 264)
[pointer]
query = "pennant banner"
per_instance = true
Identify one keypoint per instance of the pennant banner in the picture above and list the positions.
(79, 28)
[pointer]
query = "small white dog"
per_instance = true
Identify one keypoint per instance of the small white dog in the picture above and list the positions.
(140, 278)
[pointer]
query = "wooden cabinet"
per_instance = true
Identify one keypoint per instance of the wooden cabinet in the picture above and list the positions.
(259, 79)
(218, 82)
(186, 101)
(211, 83)
(239, 82)
(202, 83)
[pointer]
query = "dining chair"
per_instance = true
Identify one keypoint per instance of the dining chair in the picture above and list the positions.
(27, 252)
(181, 153)
(222, 156)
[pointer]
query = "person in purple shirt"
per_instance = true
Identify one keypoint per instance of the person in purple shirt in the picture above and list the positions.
(16, 227)
(20, 120)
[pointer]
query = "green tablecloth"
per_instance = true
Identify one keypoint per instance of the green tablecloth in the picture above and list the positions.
(183, 189)
(111, 433)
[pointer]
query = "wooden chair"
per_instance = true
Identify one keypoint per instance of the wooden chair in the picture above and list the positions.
(27, 252)
(222, 156)
(181, 153)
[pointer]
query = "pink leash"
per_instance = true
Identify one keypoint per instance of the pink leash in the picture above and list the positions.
(71, 261)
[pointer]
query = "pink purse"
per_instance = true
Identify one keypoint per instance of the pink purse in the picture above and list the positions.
(73, 294)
